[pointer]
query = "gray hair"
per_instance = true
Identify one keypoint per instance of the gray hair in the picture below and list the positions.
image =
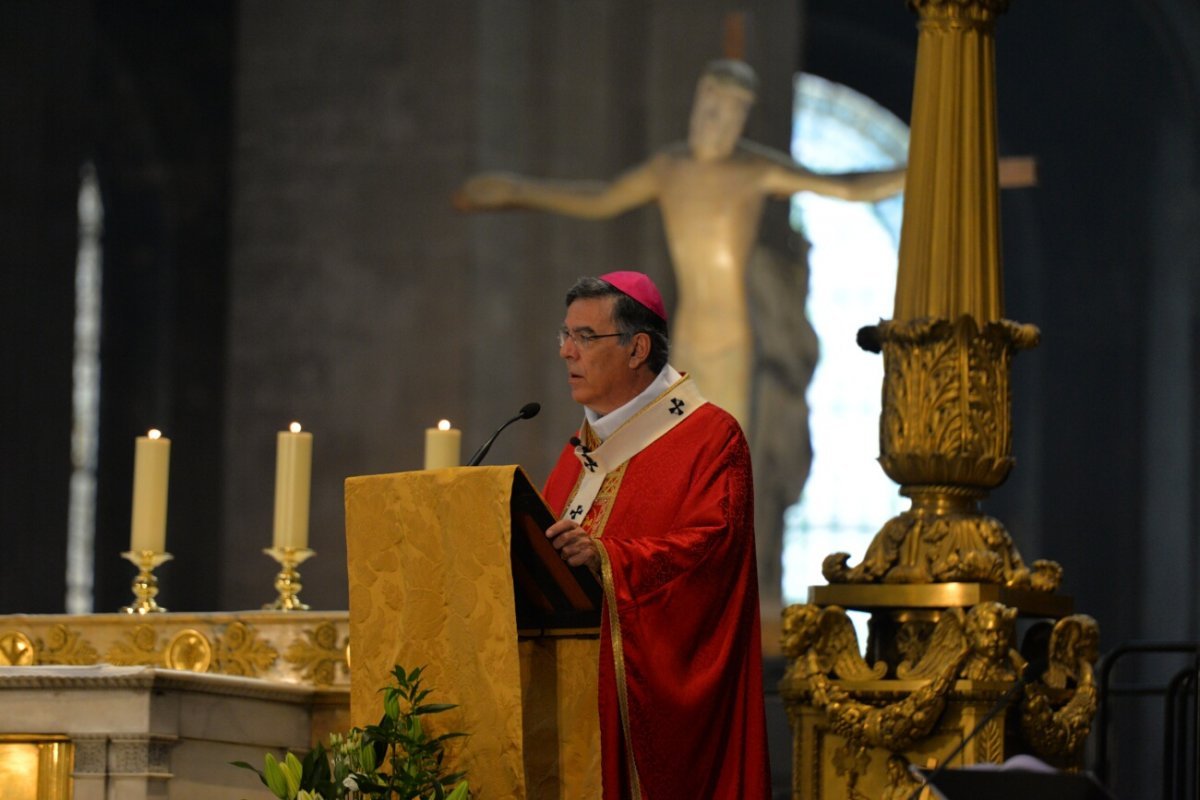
(630, 317)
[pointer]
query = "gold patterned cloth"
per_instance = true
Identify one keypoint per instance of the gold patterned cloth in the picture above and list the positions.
(431, 585)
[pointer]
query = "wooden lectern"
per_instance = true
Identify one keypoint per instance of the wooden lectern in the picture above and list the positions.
(450, 570)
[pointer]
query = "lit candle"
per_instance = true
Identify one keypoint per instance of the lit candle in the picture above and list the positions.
(443, 446)
(151, 464)
(293, 481)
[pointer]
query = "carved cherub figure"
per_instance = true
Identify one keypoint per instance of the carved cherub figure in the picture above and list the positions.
(991, 632)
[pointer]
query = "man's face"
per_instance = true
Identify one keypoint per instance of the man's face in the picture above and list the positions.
(599, 373)
(718, 117)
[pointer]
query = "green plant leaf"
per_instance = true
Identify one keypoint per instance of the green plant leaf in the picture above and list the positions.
(413, 761)
(366, 755)
(391, 706)
(293, 770)
(275, 780)
(244, 765)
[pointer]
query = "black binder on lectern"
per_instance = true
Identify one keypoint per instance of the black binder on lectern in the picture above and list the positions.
(550, 595)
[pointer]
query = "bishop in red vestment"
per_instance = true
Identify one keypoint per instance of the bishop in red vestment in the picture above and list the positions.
(655, 495)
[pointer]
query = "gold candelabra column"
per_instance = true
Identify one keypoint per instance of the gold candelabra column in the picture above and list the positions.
(287, 582)
(950, 235)
(145, 585)
(945, 429)
(943, 582)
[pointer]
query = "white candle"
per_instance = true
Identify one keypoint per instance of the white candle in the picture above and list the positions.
(293, 482)
(443, 446)
(151, 465)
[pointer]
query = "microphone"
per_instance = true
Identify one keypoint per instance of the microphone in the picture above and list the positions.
(1034, 669)
(576, 442)
(528, 411)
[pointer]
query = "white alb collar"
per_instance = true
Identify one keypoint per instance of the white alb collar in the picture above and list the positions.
(604, 425)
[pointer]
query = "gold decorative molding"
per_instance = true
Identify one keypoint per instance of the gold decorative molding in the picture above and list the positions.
(908, 710)
(240, 651)
(319, 654)
(236, 644)
(16, 650)
(959, 14)
(1056, 715)
(946, 399)
(189, 650)
(65, 645)
(945, 436)
(927, 598)
(138, 646)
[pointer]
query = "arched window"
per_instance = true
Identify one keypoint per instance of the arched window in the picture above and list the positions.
(852, 282)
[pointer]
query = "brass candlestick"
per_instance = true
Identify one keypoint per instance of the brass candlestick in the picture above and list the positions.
(145, 585)
(287, 582)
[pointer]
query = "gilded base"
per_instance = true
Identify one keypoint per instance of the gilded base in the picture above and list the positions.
(858, 726)
(287, 582)
(145, 585)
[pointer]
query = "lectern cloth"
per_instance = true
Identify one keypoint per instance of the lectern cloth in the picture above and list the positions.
(431, 586)
(680, 668)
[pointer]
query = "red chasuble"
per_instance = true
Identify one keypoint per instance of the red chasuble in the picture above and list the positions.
(681, 699)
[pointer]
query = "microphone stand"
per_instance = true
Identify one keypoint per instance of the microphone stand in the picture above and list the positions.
(528, 411)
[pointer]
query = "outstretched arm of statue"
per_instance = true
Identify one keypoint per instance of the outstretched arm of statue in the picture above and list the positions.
(785, 178)
(491, 191)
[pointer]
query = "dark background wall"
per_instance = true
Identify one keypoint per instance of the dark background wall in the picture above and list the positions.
(279, 244)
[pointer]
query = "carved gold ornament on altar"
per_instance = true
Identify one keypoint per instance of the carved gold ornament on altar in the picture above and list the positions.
(310, 648)
(943, 582)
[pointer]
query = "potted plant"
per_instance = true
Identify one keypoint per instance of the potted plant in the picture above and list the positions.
(393, 760)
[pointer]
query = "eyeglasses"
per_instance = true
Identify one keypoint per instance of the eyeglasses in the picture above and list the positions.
(582, 340)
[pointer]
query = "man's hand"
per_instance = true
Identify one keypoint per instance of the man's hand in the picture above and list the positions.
(574, 545)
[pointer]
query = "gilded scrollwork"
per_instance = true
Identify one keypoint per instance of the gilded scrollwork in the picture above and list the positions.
(1056, 715)
(240, 651)
(895, 726)
(318, 655)
(65, 645)
(139, 646)
(945, 436)
(946, 400)
(817, 644)
(942, 539)
(947, 647)
(829, 635)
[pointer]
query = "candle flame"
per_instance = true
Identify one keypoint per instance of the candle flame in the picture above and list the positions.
(154, 433)
(444, 425)
(294, 427)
